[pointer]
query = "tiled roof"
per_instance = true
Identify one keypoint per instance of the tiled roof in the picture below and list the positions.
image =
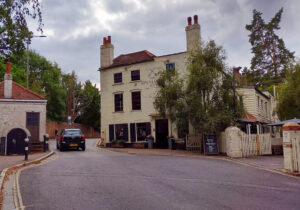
(20, 92)
(131, 58)
(251, 117)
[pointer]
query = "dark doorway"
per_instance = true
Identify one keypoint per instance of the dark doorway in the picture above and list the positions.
(161, 133)
(15, 141)
(33, 125)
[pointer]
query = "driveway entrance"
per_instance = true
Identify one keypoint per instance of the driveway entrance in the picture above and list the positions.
(161, 133)
(15, 141)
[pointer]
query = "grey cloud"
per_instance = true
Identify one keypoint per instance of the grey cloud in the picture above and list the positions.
(158, 28)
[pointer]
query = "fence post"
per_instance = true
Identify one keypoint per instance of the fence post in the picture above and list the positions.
(257, 144)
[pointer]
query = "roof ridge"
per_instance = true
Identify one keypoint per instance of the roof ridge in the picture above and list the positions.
(145, 51)
(28, 90)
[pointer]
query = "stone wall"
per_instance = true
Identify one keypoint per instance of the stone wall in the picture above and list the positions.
(13, 115)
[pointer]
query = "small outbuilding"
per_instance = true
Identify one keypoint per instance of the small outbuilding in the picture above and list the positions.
(22, 114)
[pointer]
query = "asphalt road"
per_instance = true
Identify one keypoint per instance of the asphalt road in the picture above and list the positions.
(100, 179)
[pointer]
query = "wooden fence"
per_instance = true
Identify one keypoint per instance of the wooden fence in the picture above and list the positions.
(296, 154)
(256, 144)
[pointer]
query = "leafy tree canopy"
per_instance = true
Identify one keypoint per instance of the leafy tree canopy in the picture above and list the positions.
(14, 32)
(89, 105)
(204, 98)
(289, 92)
(271, 58)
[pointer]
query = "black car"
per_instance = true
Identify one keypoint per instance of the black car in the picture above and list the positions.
(70, 139)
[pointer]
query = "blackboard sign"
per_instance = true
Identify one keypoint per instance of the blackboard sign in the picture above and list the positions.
(210, 144)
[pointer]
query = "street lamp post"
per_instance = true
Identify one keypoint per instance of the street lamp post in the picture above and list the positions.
(27, 59)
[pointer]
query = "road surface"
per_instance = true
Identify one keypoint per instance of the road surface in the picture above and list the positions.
(101, 179)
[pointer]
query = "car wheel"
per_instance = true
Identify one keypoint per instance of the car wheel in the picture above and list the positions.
(83, 148)
(60, 148)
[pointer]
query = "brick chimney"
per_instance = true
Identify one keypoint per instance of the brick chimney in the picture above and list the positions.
(193, 40)
(106, 52)
(8, 82)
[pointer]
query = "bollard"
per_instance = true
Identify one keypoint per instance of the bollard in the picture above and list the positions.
(46, 143)
(26, 148)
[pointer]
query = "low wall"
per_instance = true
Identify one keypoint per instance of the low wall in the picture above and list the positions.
(87, 130)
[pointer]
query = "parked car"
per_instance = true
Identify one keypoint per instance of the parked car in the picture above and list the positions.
(70, 139)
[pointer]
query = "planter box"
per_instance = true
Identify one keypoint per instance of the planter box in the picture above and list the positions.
(117, 145)
(138, 145)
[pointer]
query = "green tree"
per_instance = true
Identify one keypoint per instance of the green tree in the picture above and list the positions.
(271, 58)
(170, 99)
(72, 88)
(204, 98)
(14, 32)
(89, 106)
(19, 74)
(288, 95)
(209, 91)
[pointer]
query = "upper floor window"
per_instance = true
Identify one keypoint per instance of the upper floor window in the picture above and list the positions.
(119, 102)
(118, 77)
(262, 104)
(136, 100)
(170, 66)
(257, 101)
(135, 75)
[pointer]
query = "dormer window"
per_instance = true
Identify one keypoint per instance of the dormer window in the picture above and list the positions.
(170, 66)
(118, 77)
(135, 75)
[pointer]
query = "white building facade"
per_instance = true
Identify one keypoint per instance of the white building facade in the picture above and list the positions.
(128, 90)
(22, 115)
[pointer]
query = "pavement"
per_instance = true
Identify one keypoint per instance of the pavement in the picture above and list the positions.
(13, 160)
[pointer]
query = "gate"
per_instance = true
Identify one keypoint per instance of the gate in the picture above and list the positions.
(194, 142)
(296, 153)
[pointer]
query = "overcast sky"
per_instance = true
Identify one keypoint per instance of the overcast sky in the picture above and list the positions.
(75, 29)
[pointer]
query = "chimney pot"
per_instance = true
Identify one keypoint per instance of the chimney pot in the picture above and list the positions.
(189, 21)
(103, 40)
(109, 39)
(8, 68)
(195, 19)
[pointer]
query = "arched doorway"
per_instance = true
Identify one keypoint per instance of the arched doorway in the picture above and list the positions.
(15, 141)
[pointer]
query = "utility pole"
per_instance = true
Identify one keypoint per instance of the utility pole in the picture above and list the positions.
(234, 101)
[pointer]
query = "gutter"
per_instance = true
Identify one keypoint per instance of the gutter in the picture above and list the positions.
(24, 101)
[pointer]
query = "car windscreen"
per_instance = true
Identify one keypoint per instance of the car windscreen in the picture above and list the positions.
(72, 132)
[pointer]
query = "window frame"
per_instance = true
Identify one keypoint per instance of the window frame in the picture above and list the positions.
(138, 136)
(121, 101)
(138, 76)
(118, 79)
(172, 65)
(135, 106)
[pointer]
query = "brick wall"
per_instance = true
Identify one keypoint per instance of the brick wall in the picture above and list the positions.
(87, 130)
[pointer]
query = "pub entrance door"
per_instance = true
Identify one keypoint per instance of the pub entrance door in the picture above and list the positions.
(161, 133)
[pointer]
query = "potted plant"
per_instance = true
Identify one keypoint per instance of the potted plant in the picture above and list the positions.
(150, 140)
(118, 143)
